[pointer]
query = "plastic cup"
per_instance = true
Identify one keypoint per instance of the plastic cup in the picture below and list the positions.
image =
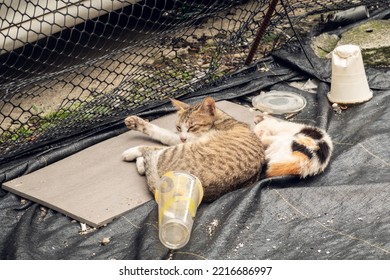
(178, 196)
(349, 82)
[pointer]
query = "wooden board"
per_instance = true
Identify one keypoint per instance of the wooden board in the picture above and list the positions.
(94, 186)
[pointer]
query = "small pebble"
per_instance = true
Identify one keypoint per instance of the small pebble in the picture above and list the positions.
(105, 241)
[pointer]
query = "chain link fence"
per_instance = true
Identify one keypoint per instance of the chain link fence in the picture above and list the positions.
(70, 67)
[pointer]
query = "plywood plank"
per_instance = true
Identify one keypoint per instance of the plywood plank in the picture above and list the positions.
(94, 186)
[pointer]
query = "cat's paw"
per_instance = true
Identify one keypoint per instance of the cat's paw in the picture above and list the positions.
(258, 130)
(136, 123)
(131, 154)
(261, 117)
(261, 130)
(140, 164)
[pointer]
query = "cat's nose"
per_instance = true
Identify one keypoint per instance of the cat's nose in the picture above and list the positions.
(183, 138)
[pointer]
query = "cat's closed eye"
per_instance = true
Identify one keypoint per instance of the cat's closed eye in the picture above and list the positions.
(192, 127)
(178, 128)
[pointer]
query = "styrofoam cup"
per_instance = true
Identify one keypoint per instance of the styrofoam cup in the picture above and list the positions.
(349, 82)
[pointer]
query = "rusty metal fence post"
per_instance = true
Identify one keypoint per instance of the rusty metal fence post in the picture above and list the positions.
(261, 31)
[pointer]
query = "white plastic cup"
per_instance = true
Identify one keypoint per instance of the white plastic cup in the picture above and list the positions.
(178, 196)
(349, 82)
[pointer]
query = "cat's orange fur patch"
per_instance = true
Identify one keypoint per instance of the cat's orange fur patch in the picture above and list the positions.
(288, 167)
(300, 156)
(283, 168)
(306, 141)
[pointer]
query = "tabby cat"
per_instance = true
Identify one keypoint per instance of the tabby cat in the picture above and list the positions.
(293, 148)
(222, 152)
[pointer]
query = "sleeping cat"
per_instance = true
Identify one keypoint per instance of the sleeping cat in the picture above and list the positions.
(293, 148)
(290, 148)
(222, 152)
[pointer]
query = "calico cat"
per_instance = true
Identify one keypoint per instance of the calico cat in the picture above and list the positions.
(223, 153)
(293, 148)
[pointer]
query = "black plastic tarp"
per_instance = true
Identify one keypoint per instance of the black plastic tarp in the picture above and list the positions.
(343, 213)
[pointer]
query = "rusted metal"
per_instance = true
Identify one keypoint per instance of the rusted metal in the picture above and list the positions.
(261, 31)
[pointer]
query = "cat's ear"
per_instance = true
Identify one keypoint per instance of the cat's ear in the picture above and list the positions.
(208, 106)
(179, 105)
